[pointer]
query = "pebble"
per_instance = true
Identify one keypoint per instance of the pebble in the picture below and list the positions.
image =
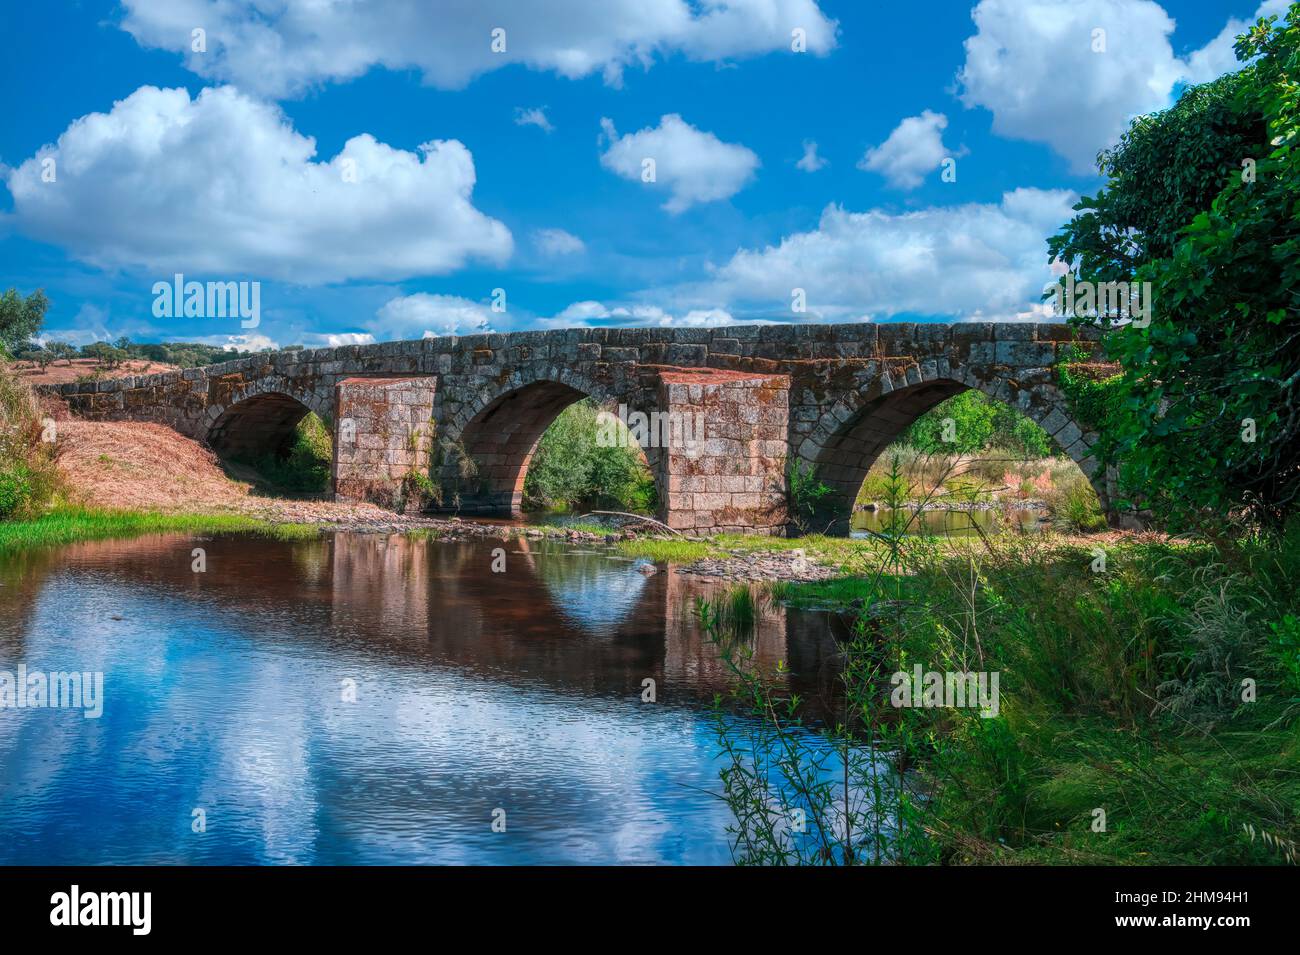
(778, 565)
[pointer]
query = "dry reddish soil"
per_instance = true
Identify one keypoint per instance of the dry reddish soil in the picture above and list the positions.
(144, 466)
(62, 372)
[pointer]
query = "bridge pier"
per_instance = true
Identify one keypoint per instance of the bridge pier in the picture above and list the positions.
(381, 436)
(723, 470)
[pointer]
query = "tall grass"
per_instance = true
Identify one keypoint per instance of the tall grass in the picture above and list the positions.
(66, 525)
(678, 551)
(733, 615)
(1155, 685)
(28, 476)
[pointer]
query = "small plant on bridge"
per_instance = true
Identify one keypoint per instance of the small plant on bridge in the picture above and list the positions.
(805, 492)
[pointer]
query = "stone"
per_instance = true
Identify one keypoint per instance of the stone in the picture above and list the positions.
(765, 394)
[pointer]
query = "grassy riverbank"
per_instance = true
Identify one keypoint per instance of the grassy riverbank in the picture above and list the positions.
(1149, 706)
(67, 525)
(839, 552)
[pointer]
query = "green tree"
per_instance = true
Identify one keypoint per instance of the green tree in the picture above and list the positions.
(571, 469)
(21, 318)
(1202, 201)
(961, 424)
(972, 422)
(61, 350)
(106, 354)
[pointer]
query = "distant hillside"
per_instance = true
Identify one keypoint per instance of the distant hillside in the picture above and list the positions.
(63, 371)
(112, 354)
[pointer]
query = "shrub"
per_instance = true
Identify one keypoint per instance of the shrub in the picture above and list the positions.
(28, 477)
(308, 463)
(571, 469)
(15, 487)
(1073, 502)
(1219, 646)
(21, 318)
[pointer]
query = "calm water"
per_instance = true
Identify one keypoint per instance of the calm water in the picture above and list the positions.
(474, 691)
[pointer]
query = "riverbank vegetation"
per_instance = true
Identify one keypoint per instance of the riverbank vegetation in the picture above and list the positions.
(28, 477)
(305, 466)
(1147, 710)
(971, 450)
(69, 524)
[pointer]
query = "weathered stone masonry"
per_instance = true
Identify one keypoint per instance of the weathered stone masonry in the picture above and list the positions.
(833, 396)
(382, 435)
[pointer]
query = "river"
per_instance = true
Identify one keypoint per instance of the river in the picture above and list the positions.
(367, 698)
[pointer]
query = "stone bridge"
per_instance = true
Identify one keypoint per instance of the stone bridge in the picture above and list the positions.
(469, 411)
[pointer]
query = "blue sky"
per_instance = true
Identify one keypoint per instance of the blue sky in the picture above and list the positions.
(167, 159)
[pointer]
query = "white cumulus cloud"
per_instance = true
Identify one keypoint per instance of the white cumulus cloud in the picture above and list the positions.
(424, 315)
(1072, 73)
(974, 261)
(913, 149)
(533, 117)
(810, 161)
(597, 314)
(327, 340)
(222, 185)
(285, 47)
(693, 165)
(557, 242)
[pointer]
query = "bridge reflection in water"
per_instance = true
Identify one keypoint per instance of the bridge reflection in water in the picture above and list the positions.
(225, 690)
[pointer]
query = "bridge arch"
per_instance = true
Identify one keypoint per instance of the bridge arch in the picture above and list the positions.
(259, 418)
(852, 433)
(499, 431)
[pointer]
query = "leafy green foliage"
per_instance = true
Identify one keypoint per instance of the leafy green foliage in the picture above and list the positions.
(15, 487)
(21, 318)
(420, 490)
(572, 470)
(805, 492)
(1285, 634)
(61, 351)
(1206, 417)
(978, 423)
(1093, 399)
(28, 478)
(971, 429)
(107, 355)
(308, 462)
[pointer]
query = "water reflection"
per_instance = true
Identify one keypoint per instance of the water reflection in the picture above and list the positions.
(474, 691)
